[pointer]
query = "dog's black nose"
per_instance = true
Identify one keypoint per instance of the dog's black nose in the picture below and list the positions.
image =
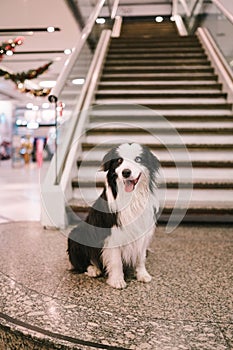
(126, 173)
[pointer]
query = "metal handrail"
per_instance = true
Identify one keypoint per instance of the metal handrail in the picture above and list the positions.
(218, 61)
(114, 8)
(85, 101)
(75, 53)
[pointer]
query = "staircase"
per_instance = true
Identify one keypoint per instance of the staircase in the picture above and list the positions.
(153, 83)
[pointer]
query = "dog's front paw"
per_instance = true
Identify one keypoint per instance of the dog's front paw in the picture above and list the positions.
(144, 277)
(118, 283)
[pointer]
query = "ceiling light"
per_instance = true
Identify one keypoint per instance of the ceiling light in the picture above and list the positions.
(29, 105)
(172, 18)
(78, 81)
(100, 20)
(45, 105)
(67, 51)
(50, 29)
(159, 19)
(35, 108)
(47, 83)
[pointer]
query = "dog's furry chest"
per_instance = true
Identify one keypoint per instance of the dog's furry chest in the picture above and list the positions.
(131, 241)
(135, 228)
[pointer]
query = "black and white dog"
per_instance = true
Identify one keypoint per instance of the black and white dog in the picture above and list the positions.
(120, 224)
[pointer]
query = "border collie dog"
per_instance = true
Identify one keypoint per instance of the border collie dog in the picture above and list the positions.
(120, 224)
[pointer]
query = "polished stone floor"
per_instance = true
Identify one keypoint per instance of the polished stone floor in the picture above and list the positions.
(188, 304)
(20, 191)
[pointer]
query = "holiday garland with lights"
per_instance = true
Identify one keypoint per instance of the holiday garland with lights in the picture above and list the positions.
(10, 45)
(19, 79)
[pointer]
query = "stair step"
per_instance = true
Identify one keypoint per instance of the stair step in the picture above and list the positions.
(213, 213)
(180, 161)
(118, 42)
(157, 62)
(155, 46)
(81, 187)
(169, 138)
(168, 40)
(131, 112)
(153, 94)
(159, 126)
(170, 118)
(174, 39)
(210, 158)
(202, 199)
(179, 49)
(126, 94)
(171, 163)
(158, 69)
(158, 108)
(172, 103)
(201, 145)
(148, 55)
(159, 85)
(159, 76)
(169, 174)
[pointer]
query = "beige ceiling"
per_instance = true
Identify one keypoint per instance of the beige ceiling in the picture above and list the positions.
(26, 14)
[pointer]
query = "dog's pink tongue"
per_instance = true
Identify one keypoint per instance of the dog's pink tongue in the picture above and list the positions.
(129, 186)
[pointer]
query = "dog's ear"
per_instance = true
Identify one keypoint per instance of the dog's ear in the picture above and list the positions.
(154, 162)
(153, 165)
(151, 160)
(106, 162)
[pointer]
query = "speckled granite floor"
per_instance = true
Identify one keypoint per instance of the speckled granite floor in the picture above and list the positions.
(188, 304)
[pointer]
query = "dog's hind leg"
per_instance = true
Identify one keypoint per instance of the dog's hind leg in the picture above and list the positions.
(78, 259)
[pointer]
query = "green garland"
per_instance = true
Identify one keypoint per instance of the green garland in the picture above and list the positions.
(36, 92)
(10, 45)
(19, 79)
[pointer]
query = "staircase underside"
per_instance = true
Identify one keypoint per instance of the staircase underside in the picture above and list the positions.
(159, 89)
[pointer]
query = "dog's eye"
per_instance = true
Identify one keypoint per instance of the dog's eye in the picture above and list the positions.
(119, 160)
(138, 159)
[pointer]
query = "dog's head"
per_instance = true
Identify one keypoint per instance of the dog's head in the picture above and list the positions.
(130, 165)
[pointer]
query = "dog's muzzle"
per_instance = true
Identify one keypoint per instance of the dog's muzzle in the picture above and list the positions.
(129, 182)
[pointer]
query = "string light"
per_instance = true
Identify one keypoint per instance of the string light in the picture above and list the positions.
(159, 19)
